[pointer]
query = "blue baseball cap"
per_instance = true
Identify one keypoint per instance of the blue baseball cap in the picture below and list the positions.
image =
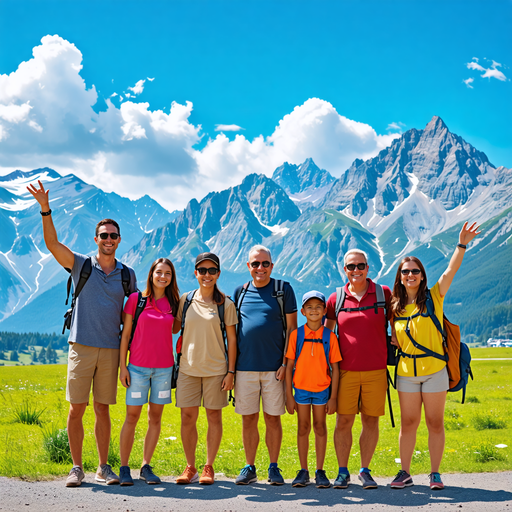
(313, 294)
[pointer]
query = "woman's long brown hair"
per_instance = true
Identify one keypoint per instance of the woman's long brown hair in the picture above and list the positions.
(171, 291)
(399, 299)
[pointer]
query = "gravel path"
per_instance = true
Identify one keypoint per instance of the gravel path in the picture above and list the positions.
(488, 492)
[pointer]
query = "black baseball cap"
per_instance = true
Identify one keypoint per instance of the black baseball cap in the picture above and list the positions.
(208, 256)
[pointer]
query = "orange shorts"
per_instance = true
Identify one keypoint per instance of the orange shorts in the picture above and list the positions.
(362, 392)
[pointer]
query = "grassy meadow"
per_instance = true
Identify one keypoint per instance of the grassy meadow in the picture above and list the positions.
(472, 429)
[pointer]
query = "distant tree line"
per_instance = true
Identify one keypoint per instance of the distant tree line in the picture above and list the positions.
(12, 343)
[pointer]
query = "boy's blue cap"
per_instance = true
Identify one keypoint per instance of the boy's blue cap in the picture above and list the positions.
(313, 294)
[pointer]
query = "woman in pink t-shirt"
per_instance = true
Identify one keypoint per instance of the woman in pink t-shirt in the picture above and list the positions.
(151, 360)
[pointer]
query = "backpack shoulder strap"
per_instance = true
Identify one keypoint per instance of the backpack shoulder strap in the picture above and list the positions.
(301, 334)
(340, 299)
(141, 305)
(85, 273)
(432, 314)
(239, 297)
(279, 295)
(126, 279)
(188, 301)
(326, 341)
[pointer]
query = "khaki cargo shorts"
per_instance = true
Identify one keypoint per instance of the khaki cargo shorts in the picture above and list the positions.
(87, 365)
(250, 386)
(362, 392)
(190, 390)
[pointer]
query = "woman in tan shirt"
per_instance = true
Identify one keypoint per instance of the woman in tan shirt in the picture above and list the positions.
(207, 369)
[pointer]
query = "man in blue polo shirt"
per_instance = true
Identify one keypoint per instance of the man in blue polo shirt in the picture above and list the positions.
(94, 336)
(264, 309)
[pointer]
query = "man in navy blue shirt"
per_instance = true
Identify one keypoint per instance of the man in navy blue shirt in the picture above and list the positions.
(267, 316)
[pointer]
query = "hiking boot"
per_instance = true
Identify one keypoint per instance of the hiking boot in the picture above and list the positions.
(342, 481)
(322, 482)
(125, 478)
(105, 474)
(146, 473)
(189, 476)
(247, 475)
(207, 476)
(274, 476)
(402, 479)
(435, 481)
(75, 477)
(302, 478)
(367, 480)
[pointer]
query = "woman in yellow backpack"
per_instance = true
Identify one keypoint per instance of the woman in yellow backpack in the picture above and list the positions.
(422, 377)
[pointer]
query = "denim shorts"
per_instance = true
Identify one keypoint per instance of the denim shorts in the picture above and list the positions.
(142, 380)
(311, 397)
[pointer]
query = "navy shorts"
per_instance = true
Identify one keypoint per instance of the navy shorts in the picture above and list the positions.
(303, 397)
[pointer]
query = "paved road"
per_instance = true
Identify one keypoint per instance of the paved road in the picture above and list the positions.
(475, 492)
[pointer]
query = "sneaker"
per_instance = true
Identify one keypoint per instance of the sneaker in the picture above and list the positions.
(247, 475)
(367, 480)
(208, 475)
(105, 474)
(125, 478)
(189, 476)
(342, 481)
(302, 478)
(274, 476)
(322, 482)
(75, 477)
(146, 473)
(435, 481)
(402, 479)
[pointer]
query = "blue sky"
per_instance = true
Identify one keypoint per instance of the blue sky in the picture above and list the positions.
(389, 66)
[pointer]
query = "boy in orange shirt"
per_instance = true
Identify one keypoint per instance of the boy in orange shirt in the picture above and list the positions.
(312, 351)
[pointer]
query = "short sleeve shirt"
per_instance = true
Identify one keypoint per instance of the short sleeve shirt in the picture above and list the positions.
(151, 345)
(312, 371)
(362, 334)
(203, 352)
(96, 319)
(423, 331)
(260, 334)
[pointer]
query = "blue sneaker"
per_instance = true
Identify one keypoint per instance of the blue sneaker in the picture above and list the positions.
(302, 478)
(247, 475)
(342, 481)
(274, 476)
(367, 480)
(125, 478)
(435, 481)
(146, 473)
(322, 482)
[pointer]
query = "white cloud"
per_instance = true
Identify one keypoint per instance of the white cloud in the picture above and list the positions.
(227, 128)
(468, 82)
(395, 127)
(150, 79)
(134, 150)
(138, 87)
(491, 72)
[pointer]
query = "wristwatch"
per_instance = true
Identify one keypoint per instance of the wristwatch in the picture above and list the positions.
(462, 246)
(45, 214)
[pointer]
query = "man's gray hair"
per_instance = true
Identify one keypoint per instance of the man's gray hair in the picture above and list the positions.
(258, 248)
(355, 251)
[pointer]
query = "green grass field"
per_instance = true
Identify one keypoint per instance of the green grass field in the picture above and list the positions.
(471, 433)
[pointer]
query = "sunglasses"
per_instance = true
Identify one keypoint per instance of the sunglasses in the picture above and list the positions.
(414, 271)
(113, 236)
(264, 264)
(352, 266)
(212, 271)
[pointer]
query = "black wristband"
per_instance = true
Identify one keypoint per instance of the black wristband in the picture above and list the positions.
(45, 214)
(230, 371)
(462, 246)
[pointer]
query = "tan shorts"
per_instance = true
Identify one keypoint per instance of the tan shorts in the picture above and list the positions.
(362, 392)
(250, 386)
(96, 365)
(189, 391)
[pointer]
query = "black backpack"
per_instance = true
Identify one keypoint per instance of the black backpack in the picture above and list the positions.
(392, 357)
(141, 305)
(85, 273)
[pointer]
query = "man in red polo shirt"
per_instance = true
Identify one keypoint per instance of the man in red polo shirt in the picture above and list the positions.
(363, 380)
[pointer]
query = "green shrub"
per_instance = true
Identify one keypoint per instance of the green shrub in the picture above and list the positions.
(487, 452)
(452, 421)
(56, 444)
(472, 400)
(28, 414)
(114, 458)
(488, 421)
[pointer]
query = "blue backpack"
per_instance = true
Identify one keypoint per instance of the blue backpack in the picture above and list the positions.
(325, 341)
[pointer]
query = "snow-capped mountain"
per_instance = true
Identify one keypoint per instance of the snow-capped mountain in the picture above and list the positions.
(411, 198)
